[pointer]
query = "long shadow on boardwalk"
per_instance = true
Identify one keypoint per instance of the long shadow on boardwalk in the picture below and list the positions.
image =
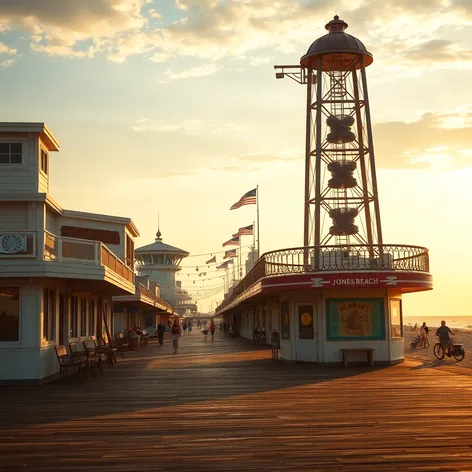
(151, 379)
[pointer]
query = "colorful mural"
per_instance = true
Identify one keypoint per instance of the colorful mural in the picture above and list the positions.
(351, 319)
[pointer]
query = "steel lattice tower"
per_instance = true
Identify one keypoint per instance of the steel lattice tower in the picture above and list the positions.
(340, 177)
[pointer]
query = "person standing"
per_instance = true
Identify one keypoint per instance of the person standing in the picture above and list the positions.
(189, 329)
(160, 332)
(175, 335)
(212, 330)
(424, 335)
(185, 326)
(444, 339)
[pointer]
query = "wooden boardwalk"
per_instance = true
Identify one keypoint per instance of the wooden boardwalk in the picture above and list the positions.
(226, 406)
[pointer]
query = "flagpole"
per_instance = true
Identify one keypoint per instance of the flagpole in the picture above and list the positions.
(258, 228)
(239, 259)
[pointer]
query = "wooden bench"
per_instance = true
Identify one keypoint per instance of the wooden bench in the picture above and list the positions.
(68, 362)
(367, 351)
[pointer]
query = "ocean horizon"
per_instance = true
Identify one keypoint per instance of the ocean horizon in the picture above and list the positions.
(453, 321)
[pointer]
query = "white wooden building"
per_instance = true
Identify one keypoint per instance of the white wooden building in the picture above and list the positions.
(59, 269)
(145, 308)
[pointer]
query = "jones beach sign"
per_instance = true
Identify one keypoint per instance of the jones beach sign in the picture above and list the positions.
(356, 281)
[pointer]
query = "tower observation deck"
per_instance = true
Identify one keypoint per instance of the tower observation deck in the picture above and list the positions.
(160, 262)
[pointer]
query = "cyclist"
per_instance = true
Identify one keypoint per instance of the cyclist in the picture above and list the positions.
(444, 339)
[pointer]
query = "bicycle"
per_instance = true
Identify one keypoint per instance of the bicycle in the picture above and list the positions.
(458, 351)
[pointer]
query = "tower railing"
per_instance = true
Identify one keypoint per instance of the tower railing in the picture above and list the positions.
(354, 257)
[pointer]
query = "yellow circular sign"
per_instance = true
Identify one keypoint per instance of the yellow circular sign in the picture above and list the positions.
(306, 319)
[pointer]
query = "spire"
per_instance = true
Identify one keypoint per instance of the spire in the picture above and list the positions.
(336, 25)
(158, 234)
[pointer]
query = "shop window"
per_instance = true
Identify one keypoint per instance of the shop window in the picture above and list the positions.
(49, 314)
(92, 318)
(396, 318)
(285, 320)
(83, 317)
(74, 316)
(148, 322)
(9, 314)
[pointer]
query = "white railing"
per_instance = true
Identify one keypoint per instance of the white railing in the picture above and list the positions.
(62, 249)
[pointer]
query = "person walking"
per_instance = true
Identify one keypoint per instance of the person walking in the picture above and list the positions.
(161, 329)
(189, 329)
(212, 330)
(175, 335)
(185, 326)
(424, 335)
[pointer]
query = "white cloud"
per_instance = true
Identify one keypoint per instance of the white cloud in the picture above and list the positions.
(198, 71)
(402, 31)
(6, 63)
(188, 126)
(4, 49)
(260, 60)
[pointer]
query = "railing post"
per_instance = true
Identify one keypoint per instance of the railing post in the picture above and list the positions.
(97, 253)
(58, 241)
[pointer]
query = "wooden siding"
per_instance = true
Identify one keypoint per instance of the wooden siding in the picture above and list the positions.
(21, 178)
(105, 236)
(13, 215)
(226, 406)
(118, 249)
(52, 222)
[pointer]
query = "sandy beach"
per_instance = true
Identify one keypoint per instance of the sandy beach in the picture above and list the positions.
(463, 336)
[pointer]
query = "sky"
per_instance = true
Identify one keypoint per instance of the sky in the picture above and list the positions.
(173, 107)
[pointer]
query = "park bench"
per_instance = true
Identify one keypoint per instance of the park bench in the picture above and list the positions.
(121, 344)
(94, 357)
(68, 363)
(367, 351)
(90, 357)
(109, 350)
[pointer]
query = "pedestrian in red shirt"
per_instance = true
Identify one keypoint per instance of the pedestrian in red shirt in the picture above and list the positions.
(175, 334)
(212, 330)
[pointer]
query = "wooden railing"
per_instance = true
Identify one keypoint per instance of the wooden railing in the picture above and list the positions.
(333, 258)
(115, 264)
(148, 293)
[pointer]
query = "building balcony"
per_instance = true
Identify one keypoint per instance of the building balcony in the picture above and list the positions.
(405, 268)
(40, 254)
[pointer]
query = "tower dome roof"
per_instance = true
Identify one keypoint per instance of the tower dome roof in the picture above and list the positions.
(158, 247)
(337, 48)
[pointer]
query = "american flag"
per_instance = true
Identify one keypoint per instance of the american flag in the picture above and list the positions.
(224, 265)
(245, 231)
(210, 261)
(249, 198)
(230, 253)
(232, 242)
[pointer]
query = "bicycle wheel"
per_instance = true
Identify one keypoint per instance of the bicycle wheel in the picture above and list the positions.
(458, 354)
(438, 351)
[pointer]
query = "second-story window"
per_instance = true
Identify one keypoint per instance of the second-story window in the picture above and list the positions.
(11, 153)
(129, 252)
(44, 161)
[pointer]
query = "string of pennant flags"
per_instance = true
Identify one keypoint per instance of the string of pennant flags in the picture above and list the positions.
(228, 255)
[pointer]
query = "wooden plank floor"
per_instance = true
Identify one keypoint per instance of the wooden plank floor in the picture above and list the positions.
(226, 406)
